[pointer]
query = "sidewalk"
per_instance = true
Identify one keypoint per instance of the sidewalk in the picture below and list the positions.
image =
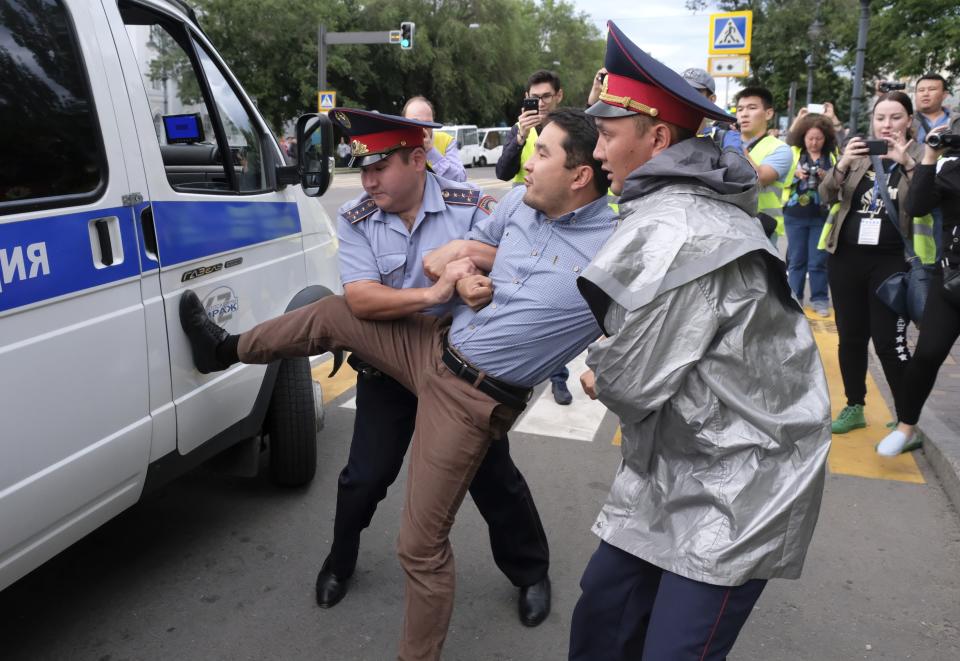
(940, 422)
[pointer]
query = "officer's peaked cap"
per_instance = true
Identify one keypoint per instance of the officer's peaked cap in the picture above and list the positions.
(636, 83)
(374, 136)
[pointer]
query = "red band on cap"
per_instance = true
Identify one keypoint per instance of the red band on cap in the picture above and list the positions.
(384, 141)
(650, 100)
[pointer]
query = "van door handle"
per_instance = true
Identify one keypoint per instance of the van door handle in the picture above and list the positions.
(105, 241)
(103, 235)
(149, 233)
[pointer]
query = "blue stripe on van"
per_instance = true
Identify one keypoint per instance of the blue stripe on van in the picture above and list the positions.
(48, 257)
(191, 230)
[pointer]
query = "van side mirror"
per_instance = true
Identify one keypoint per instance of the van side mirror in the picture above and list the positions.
(315, 153)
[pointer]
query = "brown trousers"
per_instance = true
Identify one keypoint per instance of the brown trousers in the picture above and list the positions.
(455, 424)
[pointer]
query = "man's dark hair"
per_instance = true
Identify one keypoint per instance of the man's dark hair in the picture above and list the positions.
(934, 76)
(760, 92)
(544, 76)
(580, 141)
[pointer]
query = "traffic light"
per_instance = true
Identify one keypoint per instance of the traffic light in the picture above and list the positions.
(406, 35)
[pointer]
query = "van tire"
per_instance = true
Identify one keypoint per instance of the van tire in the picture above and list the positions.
(292, 425)
(482, 161)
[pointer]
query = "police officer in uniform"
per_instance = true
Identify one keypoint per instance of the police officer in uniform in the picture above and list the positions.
(405, 212)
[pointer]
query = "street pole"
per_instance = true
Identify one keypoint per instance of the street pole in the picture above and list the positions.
(321, 57)
(858, 71)
(814, 32)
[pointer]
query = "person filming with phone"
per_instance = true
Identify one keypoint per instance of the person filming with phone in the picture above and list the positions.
(543, 95)
(936, 184)
(866, 246)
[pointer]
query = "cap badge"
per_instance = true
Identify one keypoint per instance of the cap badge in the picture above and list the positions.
(358, 148)
(343, 119)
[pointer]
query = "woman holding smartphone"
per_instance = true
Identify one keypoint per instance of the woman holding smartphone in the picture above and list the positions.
(866, 248)
(935, 184)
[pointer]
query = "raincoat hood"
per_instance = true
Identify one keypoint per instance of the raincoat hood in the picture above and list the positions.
(723, 175)
(685, 212)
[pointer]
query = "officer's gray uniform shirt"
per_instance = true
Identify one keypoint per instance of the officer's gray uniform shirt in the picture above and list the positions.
(537, 320)
(376, 245)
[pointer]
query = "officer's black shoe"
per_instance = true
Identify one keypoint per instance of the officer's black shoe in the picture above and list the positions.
(330, 587)
(204, 335)
(561, 394)
(535, 602)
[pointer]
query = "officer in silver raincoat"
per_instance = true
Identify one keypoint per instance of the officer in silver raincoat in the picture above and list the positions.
(714, 373)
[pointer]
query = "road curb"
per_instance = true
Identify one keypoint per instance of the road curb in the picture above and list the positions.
(942, 450)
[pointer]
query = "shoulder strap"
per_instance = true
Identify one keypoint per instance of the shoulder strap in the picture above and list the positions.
(892, 213)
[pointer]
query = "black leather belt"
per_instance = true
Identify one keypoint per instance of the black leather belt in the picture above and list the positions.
(512, 396)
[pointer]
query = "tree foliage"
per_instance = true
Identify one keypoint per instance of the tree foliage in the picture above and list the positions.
(906, 38)
(472, 75)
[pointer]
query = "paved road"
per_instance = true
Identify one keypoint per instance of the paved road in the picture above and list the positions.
(214, 567)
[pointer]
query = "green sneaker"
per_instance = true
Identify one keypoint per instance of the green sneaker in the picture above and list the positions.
(850, 418)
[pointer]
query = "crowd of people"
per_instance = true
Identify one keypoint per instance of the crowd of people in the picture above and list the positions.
(643, 229)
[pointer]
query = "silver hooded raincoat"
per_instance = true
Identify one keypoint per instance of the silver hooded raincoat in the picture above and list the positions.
(713, 371)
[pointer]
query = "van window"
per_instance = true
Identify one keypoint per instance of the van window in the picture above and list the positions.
(181, 78)
(467, 137)
(52, 151)
(493, 139)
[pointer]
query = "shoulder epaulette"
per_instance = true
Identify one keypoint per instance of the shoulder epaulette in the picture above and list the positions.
(363, 210)
(487, 204)
(464, 196)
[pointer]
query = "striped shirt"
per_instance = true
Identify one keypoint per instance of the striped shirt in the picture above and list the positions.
(537, 321)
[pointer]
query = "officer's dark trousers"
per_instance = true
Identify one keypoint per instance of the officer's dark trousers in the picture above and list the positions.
(386, 413)
(631, 610)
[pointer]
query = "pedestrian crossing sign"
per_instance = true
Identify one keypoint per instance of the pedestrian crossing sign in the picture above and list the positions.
(326, 100)
(730, 33)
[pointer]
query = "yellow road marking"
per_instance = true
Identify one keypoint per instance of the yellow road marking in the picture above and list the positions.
(336, 385)
(853, 453)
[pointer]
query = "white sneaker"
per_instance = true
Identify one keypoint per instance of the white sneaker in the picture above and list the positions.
(821, 308)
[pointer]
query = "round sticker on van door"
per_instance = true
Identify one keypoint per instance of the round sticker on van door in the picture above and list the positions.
(221, 305)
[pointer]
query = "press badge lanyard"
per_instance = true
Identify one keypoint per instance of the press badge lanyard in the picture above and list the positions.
(892, 213)
(870, 227)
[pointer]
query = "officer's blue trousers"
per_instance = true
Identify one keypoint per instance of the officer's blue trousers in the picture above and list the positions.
(386, 412)
(631, 610)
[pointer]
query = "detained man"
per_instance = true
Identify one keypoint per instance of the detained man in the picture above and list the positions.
(474, 376)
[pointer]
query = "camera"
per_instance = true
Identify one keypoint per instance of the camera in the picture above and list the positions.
(890, 85)
(531, 103)
(943, 140)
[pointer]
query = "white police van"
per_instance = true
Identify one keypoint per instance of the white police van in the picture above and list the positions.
(134, 166)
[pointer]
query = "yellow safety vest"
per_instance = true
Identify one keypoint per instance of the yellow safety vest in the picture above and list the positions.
(768, 201)
(924, 243)
(441, 142)
(793, 170)
(525, 154)
(613, 205)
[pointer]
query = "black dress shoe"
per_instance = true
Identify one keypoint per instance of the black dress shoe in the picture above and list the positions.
(330, 588)
(561, 394)
(535, 602)
(204, 335)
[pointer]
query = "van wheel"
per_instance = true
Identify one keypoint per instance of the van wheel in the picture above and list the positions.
(482, 161)
(292, 425)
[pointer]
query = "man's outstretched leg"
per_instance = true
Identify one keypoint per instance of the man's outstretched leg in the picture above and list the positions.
(401, 348)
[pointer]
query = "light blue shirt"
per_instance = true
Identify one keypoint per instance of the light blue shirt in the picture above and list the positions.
(376, 245)
(447, 166)
(921, 129)
(537, 321)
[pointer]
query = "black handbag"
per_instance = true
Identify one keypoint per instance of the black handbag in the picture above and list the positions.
(906, 292)
(951, 274)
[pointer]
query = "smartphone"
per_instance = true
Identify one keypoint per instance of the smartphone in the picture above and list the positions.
(876, 147)
(531, 103)
(817, 108)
